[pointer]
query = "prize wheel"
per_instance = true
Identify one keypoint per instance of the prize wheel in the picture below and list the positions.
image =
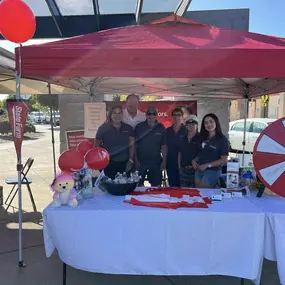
(269, 157)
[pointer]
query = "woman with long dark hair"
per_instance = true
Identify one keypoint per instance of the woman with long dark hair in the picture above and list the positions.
(118, 139)
(213, 155)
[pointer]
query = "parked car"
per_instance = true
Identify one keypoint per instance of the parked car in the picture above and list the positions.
(254, 127)
(37, 117)
(56, 120)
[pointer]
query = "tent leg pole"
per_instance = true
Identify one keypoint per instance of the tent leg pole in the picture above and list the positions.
(19, 169)
(52, 134)
(244, 129)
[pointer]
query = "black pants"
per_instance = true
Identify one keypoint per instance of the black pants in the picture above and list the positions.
(173, 176)
(153, 173)
(114, 167)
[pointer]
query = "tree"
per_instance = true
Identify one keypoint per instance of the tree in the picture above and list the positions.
(48, 101)
(119, 97)
(116, 98)
(149, 98)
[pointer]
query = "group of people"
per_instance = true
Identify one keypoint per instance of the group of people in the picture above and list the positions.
(137, 141)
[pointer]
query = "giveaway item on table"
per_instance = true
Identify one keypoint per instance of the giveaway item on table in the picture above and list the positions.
(122, 185)
(64, 193)
(83, 183)
(237, 192)
(232, 174)
(168, 197)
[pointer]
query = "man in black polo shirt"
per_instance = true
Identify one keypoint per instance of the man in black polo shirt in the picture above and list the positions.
(190, 146)
(174, 135)
(150, 148)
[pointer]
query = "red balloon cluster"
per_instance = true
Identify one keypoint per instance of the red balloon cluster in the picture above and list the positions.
(96, 158)
(17, 21)
(71, 161)
(84, 146)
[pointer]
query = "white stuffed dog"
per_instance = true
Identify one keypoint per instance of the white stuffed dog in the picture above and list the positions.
(64, 193)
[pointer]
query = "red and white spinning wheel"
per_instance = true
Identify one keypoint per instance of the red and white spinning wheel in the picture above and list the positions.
(269, 157)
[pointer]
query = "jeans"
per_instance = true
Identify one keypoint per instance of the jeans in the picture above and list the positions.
(209, 177)
(153, 173)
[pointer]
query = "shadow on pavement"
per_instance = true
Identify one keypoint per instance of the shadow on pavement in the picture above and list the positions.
(32, 231)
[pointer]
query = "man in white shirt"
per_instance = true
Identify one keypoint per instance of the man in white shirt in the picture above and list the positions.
(131, 115)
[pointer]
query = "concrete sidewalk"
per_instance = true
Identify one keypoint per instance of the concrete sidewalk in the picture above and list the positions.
(43, 271)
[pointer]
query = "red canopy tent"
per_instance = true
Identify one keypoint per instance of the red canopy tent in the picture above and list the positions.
(172, 56)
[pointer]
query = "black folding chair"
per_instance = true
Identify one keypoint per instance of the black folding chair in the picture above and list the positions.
(25, 181)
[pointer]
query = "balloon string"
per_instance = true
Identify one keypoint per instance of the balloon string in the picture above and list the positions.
(20, 61)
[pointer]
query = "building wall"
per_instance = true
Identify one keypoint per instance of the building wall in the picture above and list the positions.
(71, 109)
(275, 108)
(220, 107)
(237, 19)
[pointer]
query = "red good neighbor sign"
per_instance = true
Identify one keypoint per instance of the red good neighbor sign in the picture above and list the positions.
(164, 108)
(73, 138)
(17, 111)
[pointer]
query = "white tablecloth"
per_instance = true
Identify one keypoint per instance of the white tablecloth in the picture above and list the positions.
(106, 235)
(274, 238)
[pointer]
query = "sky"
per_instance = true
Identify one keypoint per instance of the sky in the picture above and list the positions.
(266, 17)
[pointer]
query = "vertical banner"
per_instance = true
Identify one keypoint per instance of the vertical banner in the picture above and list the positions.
(94, 117)
(17, 111)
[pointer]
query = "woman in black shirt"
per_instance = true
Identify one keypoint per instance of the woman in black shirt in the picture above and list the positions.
(214, 153)
(118, 139)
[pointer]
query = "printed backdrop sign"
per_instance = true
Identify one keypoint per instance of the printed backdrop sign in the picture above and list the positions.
(17, 111)
(74, 137)
(94, 117)
(164, 108)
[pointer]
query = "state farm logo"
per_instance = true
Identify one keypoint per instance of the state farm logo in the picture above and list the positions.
(162, 114)
(17, 118)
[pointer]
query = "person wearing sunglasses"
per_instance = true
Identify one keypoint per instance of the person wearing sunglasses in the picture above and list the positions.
(189, 148)
(174, 135)
(118, 139)
(151, 150)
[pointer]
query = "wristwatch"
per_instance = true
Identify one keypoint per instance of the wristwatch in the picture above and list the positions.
(209, 166)
(131, 160)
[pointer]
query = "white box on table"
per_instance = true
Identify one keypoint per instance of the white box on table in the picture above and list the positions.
(232, 175)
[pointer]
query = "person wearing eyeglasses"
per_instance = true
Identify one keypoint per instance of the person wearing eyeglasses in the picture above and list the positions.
(189, 148)
(118, 139)
(174, 135)
(151, 149)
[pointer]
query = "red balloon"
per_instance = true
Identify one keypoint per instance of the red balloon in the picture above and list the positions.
(71, 161)
(84, 146)
(17, 21)
(97, 158)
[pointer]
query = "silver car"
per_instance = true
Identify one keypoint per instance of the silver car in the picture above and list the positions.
(254, 127)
